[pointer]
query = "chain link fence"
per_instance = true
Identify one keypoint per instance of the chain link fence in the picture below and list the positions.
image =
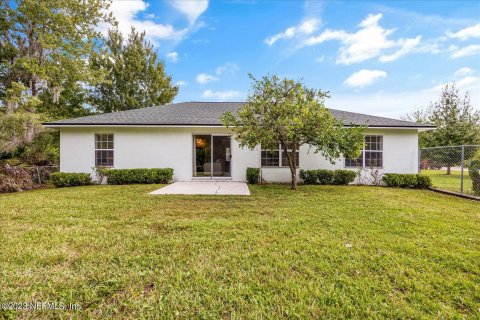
(452, 168)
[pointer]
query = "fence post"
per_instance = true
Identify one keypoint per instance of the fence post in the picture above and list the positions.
(463, 158)
(419, 166)
(38, 175)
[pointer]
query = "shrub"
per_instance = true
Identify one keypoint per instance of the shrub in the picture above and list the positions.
(308, 176)
(322, 176)
(138, 176)
(69, 179)
(343, 177)
(253, 175)
(423, 181)
(325, 176)
(391, 179)
(407, 180)
(13, 179)
(474, 173)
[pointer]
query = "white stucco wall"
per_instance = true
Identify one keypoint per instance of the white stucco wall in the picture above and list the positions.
(173, 147)
(146, 148)
(400, 155)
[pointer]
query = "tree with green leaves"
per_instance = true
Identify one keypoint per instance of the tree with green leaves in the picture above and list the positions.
(457, 122)
(47, 43)
(136, 78)
(44, 53)
(19, 127)
(285, 112)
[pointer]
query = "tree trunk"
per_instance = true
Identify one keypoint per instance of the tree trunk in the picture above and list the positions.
(293, 170)
(448, 170)
(9, 107)
(293, 166)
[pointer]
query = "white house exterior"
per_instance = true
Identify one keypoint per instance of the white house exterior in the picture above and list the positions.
(189, 138)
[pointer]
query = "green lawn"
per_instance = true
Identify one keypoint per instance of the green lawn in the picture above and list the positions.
(451, 182)
(322, 251)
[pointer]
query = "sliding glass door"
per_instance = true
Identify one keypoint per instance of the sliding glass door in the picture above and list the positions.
(211, 156)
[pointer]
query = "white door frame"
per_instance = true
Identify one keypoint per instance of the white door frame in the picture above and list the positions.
(194, 158)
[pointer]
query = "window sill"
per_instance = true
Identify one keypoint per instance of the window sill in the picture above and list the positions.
(363, 167)
(277, 167)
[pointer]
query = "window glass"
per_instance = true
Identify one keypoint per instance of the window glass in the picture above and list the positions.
(285, 159)
(271, 158)
(354, 162)
(371, 156)
(104, 150)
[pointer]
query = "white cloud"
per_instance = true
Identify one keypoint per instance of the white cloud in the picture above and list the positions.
(132, 13)
(407, 46)
(470, 50)
(397, 104)
(465, 34)
(472, 84)
(326, 36)
(463, 71)
(172, 56)
(306, 27)
(205, 78)
(466, 82)
(368, 42)
(364, 78)
(221, 95)
(190, 8)
(227, 67)
(181, 83)
(126, 14)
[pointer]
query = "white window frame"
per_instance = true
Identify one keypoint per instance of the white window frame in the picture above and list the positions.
(280, 157)
(104, 149)
(364, 150)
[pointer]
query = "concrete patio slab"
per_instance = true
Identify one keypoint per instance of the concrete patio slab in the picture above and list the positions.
(205, 187)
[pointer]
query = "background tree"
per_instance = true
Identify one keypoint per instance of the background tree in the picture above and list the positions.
(286, 112)
(457, 121)
(136, 78)
(44, 53)
(19, 127)
(46, 43)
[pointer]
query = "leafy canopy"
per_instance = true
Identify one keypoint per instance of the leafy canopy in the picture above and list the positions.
(136, 78)
(44, 43)
(457, 121)
(286, 112)
(44, 66)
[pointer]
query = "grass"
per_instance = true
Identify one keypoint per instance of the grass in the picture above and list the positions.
(451, 182)
(322, 251)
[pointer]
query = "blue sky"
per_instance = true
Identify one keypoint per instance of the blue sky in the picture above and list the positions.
(383, 58)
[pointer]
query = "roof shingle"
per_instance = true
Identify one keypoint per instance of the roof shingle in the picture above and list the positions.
(207, 114)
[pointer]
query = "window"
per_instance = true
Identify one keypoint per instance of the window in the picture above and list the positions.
(270, 158)
(372, 154)
(104, 150)
(277, 157)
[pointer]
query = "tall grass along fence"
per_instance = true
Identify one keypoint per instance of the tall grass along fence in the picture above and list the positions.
(452, 168)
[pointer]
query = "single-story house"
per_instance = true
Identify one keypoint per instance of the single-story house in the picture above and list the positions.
(190, 138)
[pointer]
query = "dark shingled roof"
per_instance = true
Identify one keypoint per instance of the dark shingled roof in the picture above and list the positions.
(207, 114)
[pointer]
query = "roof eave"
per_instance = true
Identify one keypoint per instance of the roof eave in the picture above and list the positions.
(145, 125)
